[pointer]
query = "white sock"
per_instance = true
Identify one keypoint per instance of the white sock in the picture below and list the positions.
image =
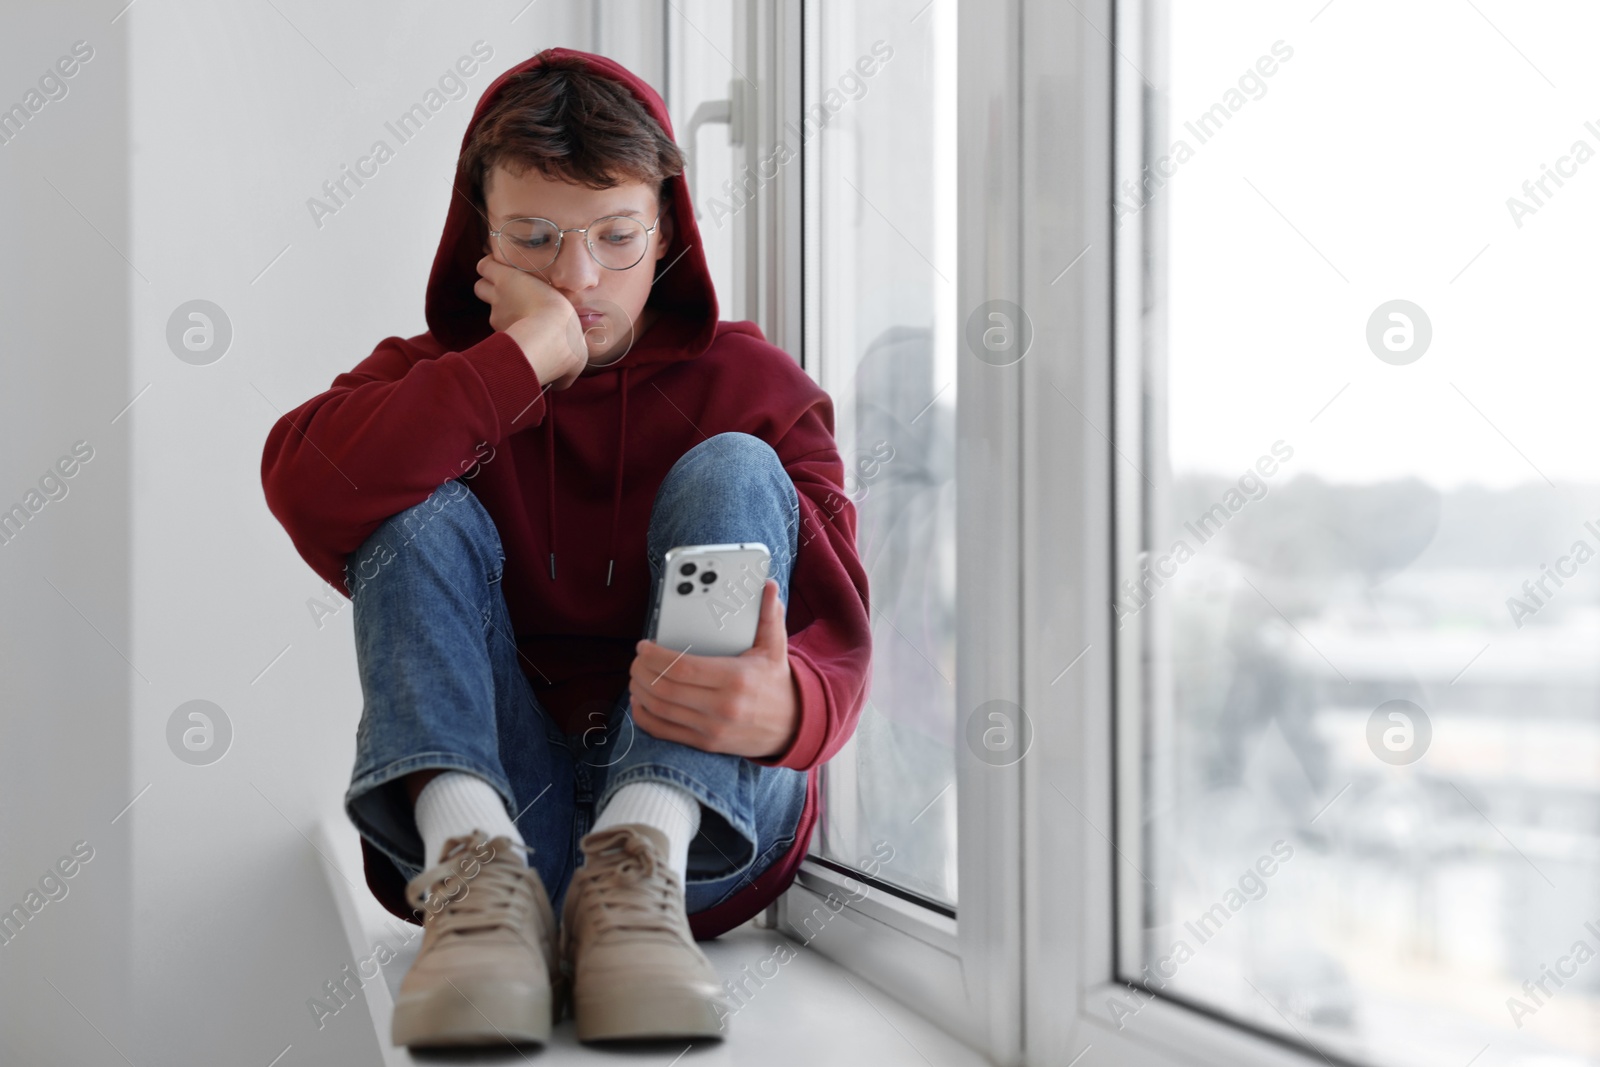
(453, 804)
(673, 811)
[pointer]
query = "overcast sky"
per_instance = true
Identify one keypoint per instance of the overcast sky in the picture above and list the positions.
(1391, 141)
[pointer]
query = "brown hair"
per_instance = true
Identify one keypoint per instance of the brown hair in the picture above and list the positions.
(571, 125)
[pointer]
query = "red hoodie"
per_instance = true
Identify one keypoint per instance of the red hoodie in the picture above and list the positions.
(422, 410)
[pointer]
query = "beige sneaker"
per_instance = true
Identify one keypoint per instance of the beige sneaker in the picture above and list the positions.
(635, 969)
(484, 974)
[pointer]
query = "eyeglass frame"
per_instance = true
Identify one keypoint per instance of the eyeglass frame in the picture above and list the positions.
(561, 236)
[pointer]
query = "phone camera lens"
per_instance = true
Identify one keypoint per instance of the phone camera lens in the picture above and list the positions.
(685, 587)
(687, 568)
(708, 577)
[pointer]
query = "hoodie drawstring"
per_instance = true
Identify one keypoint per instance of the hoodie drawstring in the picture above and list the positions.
(550, 479)
(616, 481)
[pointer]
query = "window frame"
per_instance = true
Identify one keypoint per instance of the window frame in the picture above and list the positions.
(1081, 897)
(1038, 482)
(964, 972)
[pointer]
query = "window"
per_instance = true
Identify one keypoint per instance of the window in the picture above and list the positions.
(706, 71)
(878, 135)
(1359, 508)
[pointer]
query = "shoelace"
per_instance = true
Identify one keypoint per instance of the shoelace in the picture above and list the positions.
(611, 884)
(490, 899)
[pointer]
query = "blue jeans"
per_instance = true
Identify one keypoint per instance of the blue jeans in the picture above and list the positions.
(443, 685)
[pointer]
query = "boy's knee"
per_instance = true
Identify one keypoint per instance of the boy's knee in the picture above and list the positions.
(734, 450)
(449, 511)
(448, 518)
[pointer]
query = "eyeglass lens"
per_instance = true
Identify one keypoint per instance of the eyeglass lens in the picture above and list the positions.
(616, 242)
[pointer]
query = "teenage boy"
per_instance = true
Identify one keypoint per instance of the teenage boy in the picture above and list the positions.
(516, 734)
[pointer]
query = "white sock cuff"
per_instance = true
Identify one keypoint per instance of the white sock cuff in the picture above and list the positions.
(672, 810)
(453, 804)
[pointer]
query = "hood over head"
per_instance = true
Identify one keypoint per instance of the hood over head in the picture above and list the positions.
(682, 294)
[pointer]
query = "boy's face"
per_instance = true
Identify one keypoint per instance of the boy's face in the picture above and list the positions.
(616, 298)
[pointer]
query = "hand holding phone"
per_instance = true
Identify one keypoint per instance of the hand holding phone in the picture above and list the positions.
(710, 598)
(715, 673)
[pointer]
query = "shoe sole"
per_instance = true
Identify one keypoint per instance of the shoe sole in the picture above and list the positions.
(474, 1012)
(646, 1014)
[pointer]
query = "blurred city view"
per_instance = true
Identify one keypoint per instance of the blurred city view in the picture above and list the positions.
(1369, 699)
(1424, 892)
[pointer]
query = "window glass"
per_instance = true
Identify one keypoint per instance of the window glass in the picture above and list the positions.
(705, 65)
(879, 130)
(1369, 602)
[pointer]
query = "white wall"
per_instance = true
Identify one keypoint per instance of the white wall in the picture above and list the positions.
(191, 142)
(65, 298)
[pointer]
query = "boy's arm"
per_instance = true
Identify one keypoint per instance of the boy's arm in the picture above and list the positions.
(387, 434)
(830, 630)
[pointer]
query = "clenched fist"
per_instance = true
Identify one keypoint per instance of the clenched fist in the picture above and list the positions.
(537, 317)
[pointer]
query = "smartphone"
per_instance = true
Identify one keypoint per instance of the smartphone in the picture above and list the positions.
(710, 598)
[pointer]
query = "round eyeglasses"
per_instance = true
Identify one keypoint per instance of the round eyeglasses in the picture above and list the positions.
(616, 242)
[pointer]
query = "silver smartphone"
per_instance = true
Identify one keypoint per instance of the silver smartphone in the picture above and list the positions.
(710, 599)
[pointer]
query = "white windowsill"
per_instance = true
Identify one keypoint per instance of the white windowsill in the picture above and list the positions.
(811, 1011)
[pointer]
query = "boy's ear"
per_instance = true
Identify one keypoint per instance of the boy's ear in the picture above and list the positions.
(665, 231)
